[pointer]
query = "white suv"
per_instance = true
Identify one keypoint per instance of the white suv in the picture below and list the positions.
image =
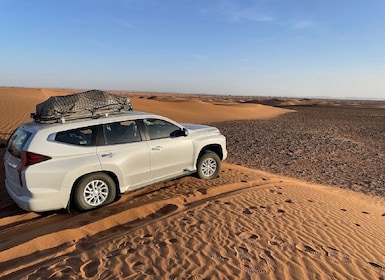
(89, 161)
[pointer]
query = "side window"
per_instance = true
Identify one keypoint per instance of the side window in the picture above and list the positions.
(81, 136)
(121, 132)
(158, 129)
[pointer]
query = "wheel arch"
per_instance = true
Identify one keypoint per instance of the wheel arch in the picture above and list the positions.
(216, 148)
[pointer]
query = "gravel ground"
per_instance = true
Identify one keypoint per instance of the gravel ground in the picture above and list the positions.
(332, 145)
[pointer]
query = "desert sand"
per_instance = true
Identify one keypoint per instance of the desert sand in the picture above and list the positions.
(246, 224)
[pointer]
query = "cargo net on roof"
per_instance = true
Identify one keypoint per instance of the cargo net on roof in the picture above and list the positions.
(88, 104)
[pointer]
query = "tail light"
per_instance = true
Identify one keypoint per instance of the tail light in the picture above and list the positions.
(28, 159)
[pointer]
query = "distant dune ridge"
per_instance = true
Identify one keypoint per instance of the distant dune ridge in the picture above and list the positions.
(246, 224)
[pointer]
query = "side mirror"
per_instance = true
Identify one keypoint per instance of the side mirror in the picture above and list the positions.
(185, 132)
(179, 133)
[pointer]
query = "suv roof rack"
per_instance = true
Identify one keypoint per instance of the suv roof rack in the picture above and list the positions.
(88, 104)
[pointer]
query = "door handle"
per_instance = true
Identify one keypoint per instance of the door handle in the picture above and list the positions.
(157, 148)
(109, 155)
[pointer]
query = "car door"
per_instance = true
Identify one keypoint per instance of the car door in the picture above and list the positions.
(171, 151)
(125, 154)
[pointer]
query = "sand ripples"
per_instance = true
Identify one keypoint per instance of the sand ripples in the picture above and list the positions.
(258, 228)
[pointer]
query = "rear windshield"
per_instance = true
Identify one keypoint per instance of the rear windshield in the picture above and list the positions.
(17, 140)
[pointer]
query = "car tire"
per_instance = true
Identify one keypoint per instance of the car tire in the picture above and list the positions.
(93, 191)
(208, 165)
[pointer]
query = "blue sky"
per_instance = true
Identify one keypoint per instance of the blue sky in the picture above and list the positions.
(312, 48)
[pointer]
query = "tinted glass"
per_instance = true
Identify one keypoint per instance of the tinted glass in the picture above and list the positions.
(17, 141)
(122, 132)
(158, 129)
(80, 136)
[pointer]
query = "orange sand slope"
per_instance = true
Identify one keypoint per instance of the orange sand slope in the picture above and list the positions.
(246, 224)
(197, 111)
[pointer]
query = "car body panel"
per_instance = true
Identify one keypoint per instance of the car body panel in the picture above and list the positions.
(170, 156)
(129, 162)
(48, 185)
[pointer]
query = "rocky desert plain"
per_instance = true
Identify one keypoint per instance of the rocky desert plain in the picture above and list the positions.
(300, 196)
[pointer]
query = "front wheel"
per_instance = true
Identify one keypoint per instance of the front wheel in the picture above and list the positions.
(94, 190)
(208, 165)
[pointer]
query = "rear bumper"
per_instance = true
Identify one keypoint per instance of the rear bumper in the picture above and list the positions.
(41, 200)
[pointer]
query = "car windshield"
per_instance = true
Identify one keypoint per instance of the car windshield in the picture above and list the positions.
(17, 141)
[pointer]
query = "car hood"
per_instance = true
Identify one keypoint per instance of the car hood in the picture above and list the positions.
(197, 129)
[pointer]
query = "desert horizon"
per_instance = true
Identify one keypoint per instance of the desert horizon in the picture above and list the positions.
(301, 196)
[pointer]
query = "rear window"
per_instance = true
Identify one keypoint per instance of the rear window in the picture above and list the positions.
(17, 141)
(80, 137)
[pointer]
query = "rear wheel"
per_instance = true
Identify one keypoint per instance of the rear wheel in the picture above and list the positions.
(208, 165)
(94, 190)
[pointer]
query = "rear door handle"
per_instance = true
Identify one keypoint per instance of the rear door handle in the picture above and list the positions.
(157, 148)
(109, 155)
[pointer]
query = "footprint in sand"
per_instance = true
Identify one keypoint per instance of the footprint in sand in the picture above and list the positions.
(162, 244)
(335, 255)
(264, 255)
(215, 256)
(248, 261)
(243, 254)
(139, 267)
(147, 239)
(247, 235)
(247, 211)
(268, 208)
(252, 270)
(306, 249)
(276, 241)
(90, 269)
(202, 191)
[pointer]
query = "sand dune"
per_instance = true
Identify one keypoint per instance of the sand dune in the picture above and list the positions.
(198, 111)
(17, 104)
(246, 224)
